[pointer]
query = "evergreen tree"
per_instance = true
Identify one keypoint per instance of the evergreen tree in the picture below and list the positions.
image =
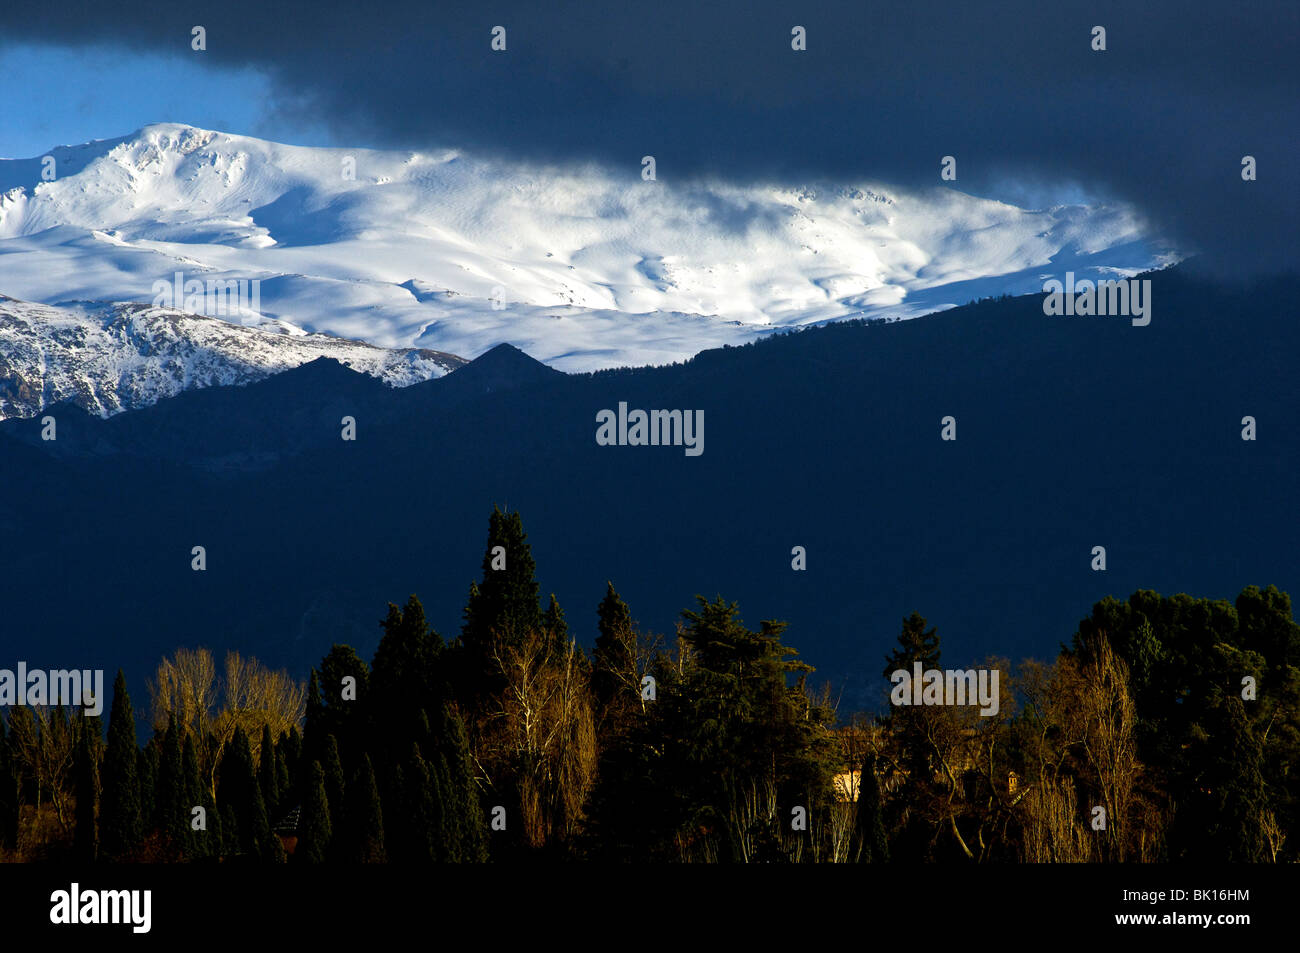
(314, 720)
(405, 677)
(344, 718)
(315, 833)
(469, 834)
(733, 729)
(86, 780)
(367, 817)
(10, 800)
(915, 644)
(504, 606)
(172, 816)
(614, 675)
(268, 777)
(332, 767)
(421, 798)
(554, 622)
(119, 822)
(147, 772)
(444, 831)
(198, 845)
(869, 844)
(1228, 818)
(290, 775)
(231, 837)
(239, 794)
(910, 726)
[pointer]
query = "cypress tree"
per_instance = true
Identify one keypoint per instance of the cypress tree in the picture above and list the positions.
(230, 834)
(404, 678)
(283, 782)
(10, 800)
(86, 780)
(201, 844)
(289, 782)
(315, 833)
(119, 822)
(172, 816)
(505, 605)
(332, 767)
(1232, 826)
(267, 776)
(314, 722)
(915, 644)
(869, 843)
(367, 817)
(470, 831)
(147, 772)
(238, 790)
(614, 660)
(554, 622)
(342, 717)
(422, 797)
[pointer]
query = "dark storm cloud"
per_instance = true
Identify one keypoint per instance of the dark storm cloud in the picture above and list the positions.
(1012, 89)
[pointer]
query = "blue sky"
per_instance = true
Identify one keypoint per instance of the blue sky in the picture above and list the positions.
(73, 95)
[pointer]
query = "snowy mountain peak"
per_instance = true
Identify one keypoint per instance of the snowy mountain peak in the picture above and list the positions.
(584, 267)
(110, 358)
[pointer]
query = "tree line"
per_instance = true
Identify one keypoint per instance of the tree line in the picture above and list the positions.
(1167, 730)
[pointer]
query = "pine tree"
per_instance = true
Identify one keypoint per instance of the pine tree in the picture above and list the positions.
(315, 832)
(120, 823)
(86, 779)
(915, 644)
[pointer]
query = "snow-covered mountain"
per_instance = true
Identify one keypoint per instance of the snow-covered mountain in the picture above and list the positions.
(581, 267)
(110, 358)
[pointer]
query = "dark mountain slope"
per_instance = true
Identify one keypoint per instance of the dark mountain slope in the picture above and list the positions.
(1072, 432)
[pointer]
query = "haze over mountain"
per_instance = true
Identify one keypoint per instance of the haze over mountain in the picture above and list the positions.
(592, 266)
